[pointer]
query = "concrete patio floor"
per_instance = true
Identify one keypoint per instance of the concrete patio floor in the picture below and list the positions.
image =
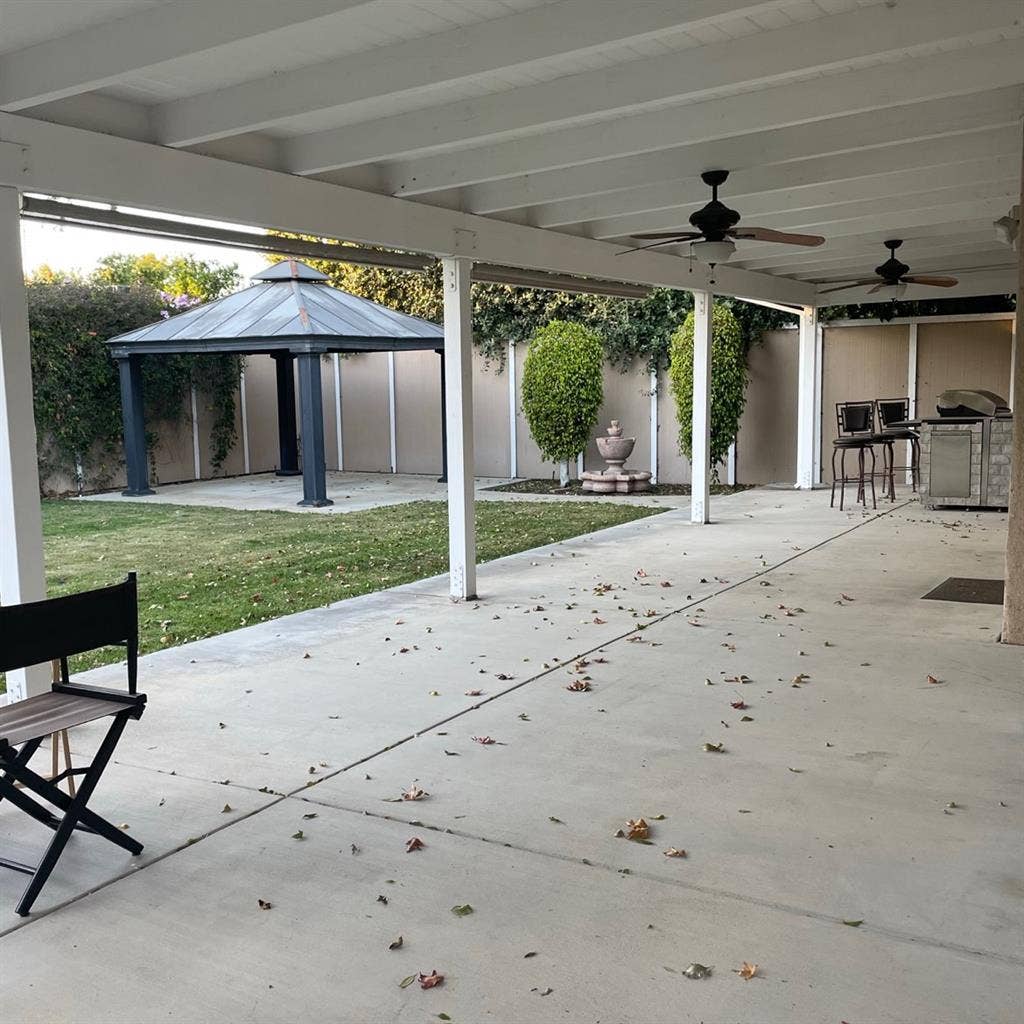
(862, 793)
(350, 492)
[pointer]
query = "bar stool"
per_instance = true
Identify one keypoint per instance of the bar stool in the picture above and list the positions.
(893, 417)
(856, 423)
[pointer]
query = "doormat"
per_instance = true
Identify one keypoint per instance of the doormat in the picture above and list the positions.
(970, 591)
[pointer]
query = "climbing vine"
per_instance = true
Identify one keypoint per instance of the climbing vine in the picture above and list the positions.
(728, 381)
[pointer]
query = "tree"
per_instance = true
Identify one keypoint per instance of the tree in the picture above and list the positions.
(176, 276)
(563, 389)
(728, 382)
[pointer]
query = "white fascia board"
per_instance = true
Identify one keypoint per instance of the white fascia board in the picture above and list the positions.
(977, 69)
(570, 27)
(88, 165)
(759, 60)
(104, 54)
(849, 135)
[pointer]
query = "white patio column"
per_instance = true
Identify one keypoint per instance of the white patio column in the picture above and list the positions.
(806, 405)
(458, 377)
(21, 529)
(700, 461)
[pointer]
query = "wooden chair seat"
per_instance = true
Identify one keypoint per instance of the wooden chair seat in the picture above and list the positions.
(51, 712)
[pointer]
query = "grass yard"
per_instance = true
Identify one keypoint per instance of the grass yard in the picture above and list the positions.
(552, 486)
(204, 571)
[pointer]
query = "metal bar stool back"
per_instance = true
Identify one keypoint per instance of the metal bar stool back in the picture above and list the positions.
(893, 425)
(855, 422)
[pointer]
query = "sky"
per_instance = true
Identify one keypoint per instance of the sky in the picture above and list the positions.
(65, 247)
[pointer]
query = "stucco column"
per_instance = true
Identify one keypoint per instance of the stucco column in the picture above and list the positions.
(700, 460)
(133, 425)
(314, 460)
(806, 393)
(1013, 602)
(458, 369)
(21, 528)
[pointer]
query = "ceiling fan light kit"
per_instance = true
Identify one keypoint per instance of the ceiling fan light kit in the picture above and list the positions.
(713, 252)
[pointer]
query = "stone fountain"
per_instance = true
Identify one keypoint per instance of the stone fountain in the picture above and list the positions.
(616, 479)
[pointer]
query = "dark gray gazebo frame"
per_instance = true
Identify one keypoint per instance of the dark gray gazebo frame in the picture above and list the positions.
(282, 303)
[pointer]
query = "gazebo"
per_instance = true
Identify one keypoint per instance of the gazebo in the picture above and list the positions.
(293, 314)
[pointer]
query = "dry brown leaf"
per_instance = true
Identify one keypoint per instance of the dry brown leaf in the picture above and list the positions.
(474, 693)
(932, 679)
(397, 944)
(579, 686)
(673, 851)
(484, 741)
(598, 621)
(714, 748)
(747, 971)
(264, 904)
(739, 705)
(431, 980)
(637, 829)
(414, 793)
(414, 844)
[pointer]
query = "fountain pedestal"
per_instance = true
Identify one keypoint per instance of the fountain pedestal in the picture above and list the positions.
(616, 479)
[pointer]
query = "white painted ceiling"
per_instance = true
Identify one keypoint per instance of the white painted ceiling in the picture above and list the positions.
(856, 119)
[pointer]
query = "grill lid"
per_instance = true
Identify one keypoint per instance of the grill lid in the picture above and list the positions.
(971, 402)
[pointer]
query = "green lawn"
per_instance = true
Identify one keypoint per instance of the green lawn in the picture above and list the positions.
(204, 571)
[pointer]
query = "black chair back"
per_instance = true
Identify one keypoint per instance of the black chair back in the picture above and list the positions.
(855, 418)
(59, 627)
(892, 410)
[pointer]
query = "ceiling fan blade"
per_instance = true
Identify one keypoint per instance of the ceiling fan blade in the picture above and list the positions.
(878, 287)
(771, 235)
(935, 282)
(849, 284)
(681, 235)
(651, 245)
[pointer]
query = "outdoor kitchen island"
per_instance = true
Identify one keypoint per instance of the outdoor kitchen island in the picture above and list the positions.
(965, 452)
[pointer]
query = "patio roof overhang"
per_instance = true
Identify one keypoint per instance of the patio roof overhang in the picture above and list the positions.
(539, 135)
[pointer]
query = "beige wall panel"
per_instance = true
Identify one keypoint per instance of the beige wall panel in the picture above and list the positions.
(234, 464)
(366, 424)
(261, 412)
(975, 354)
(766, 443)
(859, 363)
(626, 399)
(172, 460)
(418, 412)
(330, 426)
(673, 466)
(490, 418)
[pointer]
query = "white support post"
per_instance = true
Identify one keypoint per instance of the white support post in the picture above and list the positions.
(807, 384)
(911, 392)
(393, 426)
(819, 373)
(654, 426)
(513, 431)
(337, 411)
(22, 576)
(458, 377)
(1013, 356)
(730, 465)
(244, 412)
(700, 463)
(579, 465)
(197, 462)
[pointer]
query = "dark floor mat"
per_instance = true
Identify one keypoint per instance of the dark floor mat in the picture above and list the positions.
(970, 591)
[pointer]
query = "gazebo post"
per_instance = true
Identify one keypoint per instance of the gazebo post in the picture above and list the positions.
(443, 478)
(133, 418)
(314, 460)
(287, 439)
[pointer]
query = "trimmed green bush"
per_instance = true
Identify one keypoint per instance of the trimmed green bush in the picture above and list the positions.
(728, 382)
(563, 388)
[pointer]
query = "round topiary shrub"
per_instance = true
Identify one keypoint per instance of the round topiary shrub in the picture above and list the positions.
(728, 382)
(563, 389)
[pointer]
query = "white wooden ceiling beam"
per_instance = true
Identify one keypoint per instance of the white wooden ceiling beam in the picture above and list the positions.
(885, 170)
(994, 177)
(38, 156)
(570, 27)
(104, 54)
(896, 125)
(824, 44)
(956, 73)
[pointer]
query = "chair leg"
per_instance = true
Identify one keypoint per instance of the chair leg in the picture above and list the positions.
(860, 477)
(75, 810)
(915, 463)
(874, 502)
(842, 485)
(832, 499)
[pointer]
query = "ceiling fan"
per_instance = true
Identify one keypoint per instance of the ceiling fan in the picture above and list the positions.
(893, 274)
(716, 226)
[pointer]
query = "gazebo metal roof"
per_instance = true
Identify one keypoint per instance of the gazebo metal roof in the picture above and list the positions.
(292, 307)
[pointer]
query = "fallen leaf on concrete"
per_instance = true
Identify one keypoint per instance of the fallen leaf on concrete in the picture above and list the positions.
(854, 924)
(503, 676)
(312, 814)
(639, 574)
(299, 835)
(598, 621)
(397, 944)
(406, 982)
(435, 693)
(747, 971)
(694, 622)
(414, 793)
(579, 686)
(637, 829)
(452, 753)
(382, 899)
(264, 904)
(657, 817)
(484, 741)
(431, 980)
(664, 583)
(462, 910)
(673, 851)
(714, 748)
(932, 679)
(414, 844)
(227, 809)
(845, 597)
(697, 972)
(741, 678)
(523, 716)
(795, 771)
(307, 655)
(746, 718)
(526, 956)
(739, 705)
(557, 821)
(543, 991)
(474, 693)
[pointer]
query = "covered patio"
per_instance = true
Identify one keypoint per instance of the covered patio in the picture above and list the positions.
(761, 680)
(850, 789)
